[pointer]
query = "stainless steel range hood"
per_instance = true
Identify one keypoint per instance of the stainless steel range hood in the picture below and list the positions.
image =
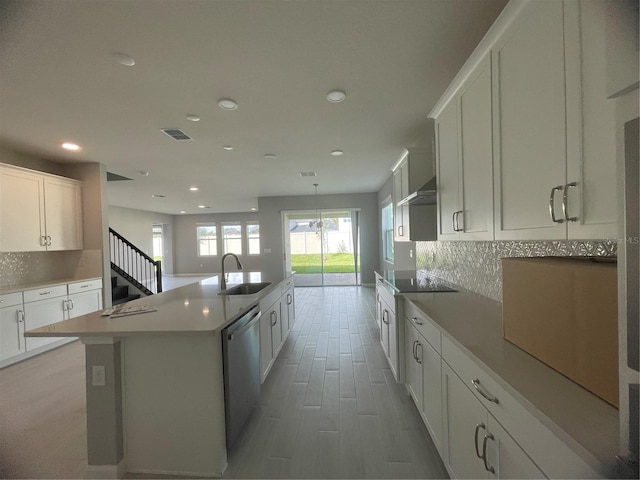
(426, 195)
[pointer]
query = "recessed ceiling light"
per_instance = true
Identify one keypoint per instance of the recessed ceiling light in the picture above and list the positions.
(143, 173)
(157, 195)
(71, 146)
(227, 104)
(337, 153)
(253, 209)
(182, 211)
(308, 174)
(336, 96)
(270, 156)
(228, 148)
(193, 118)
(124, 59)
(203, 206)
(193, 189)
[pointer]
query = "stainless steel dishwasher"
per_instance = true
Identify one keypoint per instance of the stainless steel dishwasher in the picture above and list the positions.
(241, 353)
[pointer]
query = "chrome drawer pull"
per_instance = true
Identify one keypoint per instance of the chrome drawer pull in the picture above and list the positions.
(552, 207)
(475, 439)
(416, 321)
(476, 385)
(565, 206)
(488, 468)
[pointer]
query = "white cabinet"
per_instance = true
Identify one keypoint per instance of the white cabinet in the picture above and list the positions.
(413, 367)
(42, 307)
(12, 341)
(465, 181)
(84, 297)
(278, 315)
(554, 149)
(389, 331)
(49, 216)
(414, 168)
(477, 445)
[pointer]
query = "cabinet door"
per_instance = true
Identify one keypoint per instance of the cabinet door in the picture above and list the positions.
(432, 390)
(505, 456)
(41, 313)
(476, 159)
(276, 328)
(266, 351)
(12, 341)
(465, 425)
(288, 313)
(448, 170)
(63, 213)
(401, 213)
(529, 124)
(413, 368)
(84, 303)
(384, 328)
(21, 211)
(392, 352)
(591, 122)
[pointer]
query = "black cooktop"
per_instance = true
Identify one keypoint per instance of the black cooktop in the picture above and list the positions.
(408, 282)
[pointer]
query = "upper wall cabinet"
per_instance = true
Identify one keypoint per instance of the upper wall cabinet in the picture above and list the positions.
(464, 145)
(534, 97)
(39, 212)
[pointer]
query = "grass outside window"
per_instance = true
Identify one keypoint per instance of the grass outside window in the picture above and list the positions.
(333, 263)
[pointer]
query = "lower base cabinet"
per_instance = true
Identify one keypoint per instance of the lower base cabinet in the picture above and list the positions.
(476, 445)
(12, 341)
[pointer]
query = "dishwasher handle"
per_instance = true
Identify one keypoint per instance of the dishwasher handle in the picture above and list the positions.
(243, 323)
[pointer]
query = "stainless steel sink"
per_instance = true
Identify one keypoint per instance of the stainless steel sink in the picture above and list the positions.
(245, 288)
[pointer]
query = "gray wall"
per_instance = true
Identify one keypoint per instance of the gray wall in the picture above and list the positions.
(271, 231)
(137, 227)
(186, 256)
(404, 257)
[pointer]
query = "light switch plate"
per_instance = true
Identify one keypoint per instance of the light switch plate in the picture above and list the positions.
(98, 376)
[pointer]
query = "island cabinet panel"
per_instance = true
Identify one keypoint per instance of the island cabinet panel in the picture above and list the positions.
(12, 341)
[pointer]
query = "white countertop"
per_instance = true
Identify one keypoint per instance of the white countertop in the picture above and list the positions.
(192, 309)
(474, 323)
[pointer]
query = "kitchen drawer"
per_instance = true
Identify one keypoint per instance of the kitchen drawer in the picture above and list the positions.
(423, 324)
(45, 293)
(269, 299)
(552, 456)
(387, 294)
(84, 286)
(286, 285)
(10, 299)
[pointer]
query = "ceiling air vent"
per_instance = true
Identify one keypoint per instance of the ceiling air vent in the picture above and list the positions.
(308, 174)
(176, 134)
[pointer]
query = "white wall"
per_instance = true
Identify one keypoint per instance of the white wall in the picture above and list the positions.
(137, 227)
(271, 230)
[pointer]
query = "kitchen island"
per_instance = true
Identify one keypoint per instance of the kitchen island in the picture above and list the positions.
(155, 389)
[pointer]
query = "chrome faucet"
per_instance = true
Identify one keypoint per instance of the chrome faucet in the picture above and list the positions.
(223, 281)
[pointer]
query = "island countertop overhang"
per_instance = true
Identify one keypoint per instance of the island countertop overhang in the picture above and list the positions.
(193, 309)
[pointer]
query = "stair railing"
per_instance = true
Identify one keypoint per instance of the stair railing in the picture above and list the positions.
(135, 266)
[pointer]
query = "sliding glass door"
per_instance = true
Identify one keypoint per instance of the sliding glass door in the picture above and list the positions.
(323, 247)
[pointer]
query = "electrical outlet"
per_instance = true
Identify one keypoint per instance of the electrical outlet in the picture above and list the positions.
(99, 376)
(410, 253)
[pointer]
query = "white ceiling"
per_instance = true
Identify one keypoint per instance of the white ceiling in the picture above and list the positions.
(277, 58)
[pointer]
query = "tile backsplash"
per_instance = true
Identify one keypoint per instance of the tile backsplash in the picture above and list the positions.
(476, 266)
(29, 267)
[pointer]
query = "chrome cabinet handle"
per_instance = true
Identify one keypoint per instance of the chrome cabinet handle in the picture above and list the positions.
(71, 304)
(274, 318)
(457, 221)
(453, 221)
(401, 231)
(552, 207)
(416, 321)
(476, 385)
(43, 241)
(475, 439)
(417, 357)
(565, 201)
(488, 468)
(45, 293)
(385, 312)
(289, 299)
(414, 349)
(49, 240)
(20, 319)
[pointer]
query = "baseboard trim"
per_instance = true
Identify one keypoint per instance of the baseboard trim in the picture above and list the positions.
(36, 351)
(106, 471)
(146, 471)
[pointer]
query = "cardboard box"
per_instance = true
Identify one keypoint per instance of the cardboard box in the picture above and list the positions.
(564, 311)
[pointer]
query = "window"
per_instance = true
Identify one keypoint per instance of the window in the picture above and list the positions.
(207, 240)
(253, 238)
(232, 239)
(387, 231)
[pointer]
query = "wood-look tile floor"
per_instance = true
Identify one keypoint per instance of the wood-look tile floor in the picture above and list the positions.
(330, 407)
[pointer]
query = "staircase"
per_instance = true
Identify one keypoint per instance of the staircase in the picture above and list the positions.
(120, 293)
(134, 267)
